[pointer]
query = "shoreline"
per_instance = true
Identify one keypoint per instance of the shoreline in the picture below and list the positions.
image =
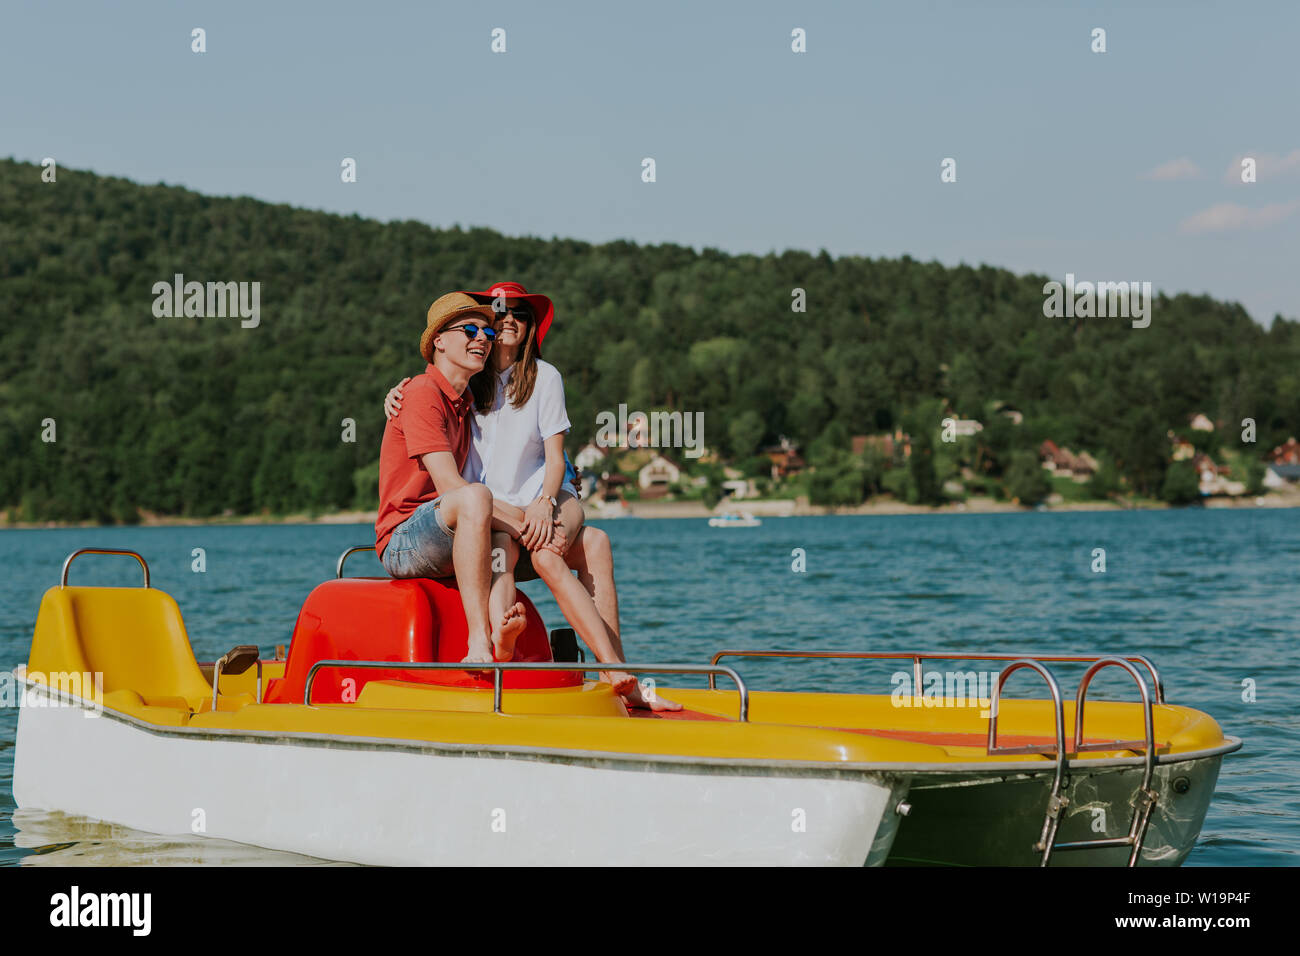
(790, 508)
(761, 508)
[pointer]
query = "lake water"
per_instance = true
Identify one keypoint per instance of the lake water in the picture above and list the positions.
(1210, 596)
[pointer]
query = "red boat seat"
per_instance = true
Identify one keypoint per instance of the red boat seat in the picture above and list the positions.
(391, 619)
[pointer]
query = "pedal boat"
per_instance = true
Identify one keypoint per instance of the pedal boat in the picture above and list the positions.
(370, 743)
(735, 519)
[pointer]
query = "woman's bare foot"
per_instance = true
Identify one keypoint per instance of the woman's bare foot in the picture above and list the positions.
(622, 681)
(653, 702)
(512, 625)
(480, 650)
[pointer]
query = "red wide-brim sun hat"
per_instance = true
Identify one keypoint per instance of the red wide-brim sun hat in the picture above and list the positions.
(543, 308)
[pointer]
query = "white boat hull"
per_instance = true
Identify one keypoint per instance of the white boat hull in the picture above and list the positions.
(415, 803)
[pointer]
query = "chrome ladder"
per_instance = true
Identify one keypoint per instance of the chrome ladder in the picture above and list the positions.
(1057, 800)
(1146, 796)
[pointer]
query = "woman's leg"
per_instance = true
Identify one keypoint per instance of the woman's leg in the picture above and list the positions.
(579, 610)
(593, 558)
(504, 611)
(591, 555)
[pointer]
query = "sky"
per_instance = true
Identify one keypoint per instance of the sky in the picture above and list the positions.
(1114, 166)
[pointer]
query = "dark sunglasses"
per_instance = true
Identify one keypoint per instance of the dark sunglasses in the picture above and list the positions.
(522, 313)
(471, 331)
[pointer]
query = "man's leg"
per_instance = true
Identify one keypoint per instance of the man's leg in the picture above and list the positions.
(468, 513)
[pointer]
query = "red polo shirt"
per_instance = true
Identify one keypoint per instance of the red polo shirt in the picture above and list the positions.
(433, 417)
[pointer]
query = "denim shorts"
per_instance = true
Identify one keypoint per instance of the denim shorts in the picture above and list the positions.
(420, 546)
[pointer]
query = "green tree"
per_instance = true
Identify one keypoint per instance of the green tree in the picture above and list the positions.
(192, 416)
(711, 493)
(1105, 480)
(365, 483)
(873, 470)
(1255, 471)
(838, 480)
(923, 487)
(745, 432)
(1025, 479)
(1181, 485)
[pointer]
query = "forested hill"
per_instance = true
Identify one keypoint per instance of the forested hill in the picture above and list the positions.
(199, 415)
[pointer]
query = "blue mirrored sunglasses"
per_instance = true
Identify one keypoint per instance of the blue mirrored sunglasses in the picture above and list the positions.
(471, 331)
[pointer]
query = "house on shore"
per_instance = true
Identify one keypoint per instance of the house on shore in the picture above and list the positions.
(739, 488)
(656, 476)
(889, 446)
(1180, 449)
(1279, 477)
(1212, 478)
(1283, 466)
(588, 457)
(1065, 464)
(785, 459)
(1007, 410)
(609, 487)
(1287, 453)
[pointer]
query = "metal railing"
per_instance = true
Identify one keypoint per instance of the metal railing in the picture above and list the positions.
(338, 571)
(1058, 709)
(917, 658)
(498, 668)
(63, 578)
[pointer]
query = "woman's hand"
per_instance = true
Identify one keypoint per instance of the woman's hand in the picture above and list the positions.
(539, 525)
(394, 400)
(559, 542)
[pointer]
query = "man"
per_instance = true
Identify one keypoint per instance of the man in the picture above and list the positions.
(432, 522)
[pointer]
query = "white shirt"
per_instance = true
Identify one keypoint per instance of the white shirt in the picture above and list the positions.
(506, 451)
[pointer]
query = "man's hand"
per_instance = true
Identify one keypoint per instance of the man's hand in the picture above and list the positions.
(394, 399)
(538, 524)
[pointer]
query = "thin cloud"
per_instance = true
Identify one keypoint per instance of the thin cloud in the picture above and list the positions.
(1182, 168)
(1267, 166)
(1231, 216)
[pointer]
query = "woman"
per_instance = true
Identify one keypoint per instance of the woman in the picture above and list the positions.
(517, 450)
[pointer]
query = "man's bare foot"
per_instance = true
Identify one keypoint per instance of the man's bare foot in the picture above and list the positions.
(622, 681)
(480, 651)
(653, 702)
(512, 625)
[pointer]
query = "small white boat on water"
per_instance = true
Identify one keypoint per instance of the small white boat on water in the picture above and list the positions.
(734, 519)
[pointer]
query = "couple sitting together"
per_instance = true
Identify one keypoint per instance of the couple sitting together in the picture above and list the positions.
(473, 461)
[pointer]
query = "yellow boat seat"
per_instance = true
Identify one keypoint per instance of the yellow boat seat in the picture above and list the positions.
(134, 637)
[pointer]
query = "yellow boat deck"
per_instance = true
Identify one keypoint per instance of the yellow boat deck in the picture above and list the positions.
(135, 638)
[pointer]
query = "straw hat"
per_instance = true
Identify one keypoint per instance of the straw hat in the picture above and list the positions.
(446, 310)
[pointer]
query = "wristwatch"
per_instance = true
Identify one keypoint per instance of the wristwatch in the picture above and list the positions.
(554, 503)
